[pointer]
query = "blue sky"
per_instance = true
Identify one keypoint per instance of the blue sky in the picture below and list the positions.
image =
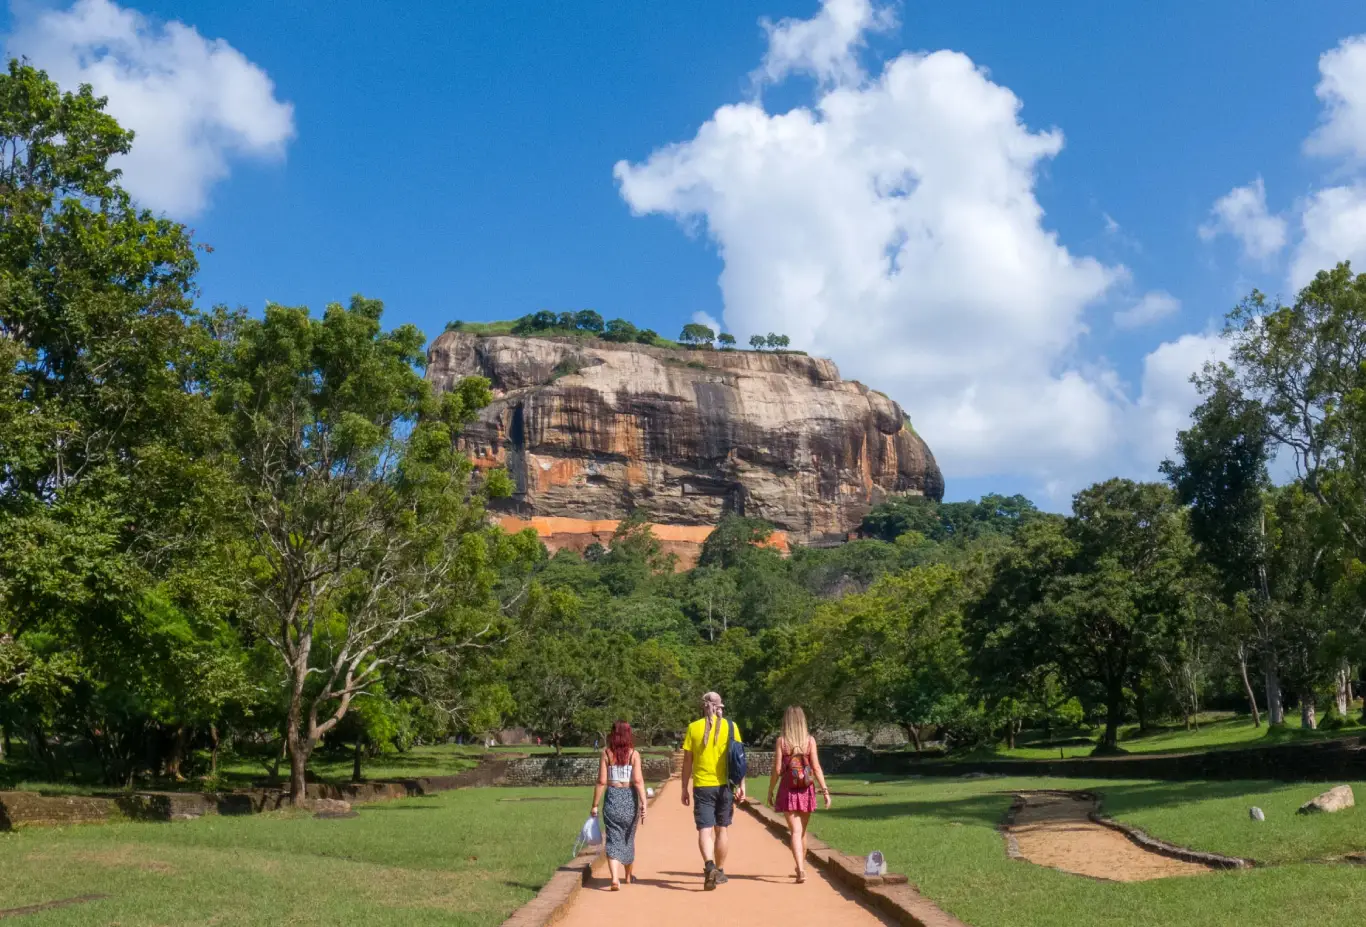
(460, 161)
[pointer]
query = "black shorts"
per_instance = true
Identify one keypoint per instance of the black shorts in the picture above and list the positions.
(712, 806)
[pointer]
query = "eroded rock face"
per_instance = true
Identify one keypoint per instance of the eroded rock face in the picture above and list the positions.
(594, 430)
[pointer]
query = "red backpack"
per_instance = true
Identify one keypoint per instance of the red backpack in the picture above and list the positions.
(797, 774)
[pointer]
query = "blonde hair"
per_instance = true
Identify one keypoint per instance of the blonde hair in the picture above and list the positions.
(795, 732)
(711, 712)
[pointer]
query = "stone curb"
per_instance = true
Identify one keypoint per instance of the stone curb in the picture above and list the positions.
(552, 902)
(892, 894)
(1162, 848)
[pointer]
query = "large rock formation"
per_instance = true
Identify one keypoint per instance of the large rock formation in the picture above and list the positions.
(590, 431)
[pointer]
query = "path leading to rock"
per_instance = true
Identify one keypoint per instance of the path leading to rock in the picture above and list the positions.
(669, 891)
(1054, 830)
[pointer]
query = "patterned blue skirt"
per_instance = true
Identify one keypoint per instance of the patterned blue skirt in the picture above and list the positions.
(620, 813)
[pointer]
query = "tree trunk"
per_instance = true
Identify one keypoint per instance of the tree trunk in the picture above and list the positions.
(1141, 706)
(355, 759)
(294, 720)
(298, 764)
(1343, 695)
(213, 750)
(1247, 686)
(5, 743)
(1308, 717)
(1275, 710)
(177, 753)
(1114, 708)
(1010, 734)
(913, 730)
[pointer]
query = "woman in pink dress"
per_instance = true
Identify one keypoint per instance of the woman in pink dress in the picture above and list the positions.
(796, 774)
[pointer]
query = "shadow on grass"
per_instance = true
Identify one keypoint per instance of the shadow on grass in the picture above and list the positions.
(407, 805)
(988, 807)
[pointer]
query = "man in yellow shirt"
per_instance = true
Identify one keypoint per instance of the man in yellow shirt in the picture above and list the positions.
(705, 787)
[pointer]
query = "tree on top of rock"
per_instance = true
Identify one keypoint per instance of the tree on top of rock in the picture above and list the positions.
(696, 335)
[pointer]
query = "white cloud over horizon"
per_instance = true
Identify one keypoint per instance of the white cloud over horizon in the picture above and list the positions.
(703, 318)
(892, 224)
(195, 104)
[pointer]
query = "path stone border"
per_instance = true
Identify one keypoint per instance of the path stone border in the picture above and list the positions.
(892, 895)
(1162, 848)
(553, 900)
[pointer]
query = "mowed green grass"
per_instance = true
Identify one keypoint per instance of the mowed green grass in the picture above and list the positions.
(468, 857)
(942, 833)
(1216, 732)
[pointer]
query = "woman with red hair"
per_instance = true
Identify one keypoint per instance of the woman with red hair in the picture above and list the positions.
(620, 777)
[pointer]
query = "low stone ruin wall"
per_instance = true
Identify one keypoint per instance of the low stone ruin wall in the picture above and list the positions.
(26, 809)
(575, 770)
(835, 760)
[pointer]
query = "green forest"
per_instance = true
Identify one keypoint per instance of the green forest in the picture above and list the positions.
(228, 534)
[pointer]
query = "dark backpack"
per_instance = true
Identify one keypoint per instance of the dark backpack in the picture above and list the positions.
(736, 763)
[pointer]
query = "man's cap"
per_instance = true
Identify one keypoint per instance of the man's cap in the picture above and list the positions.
(714, 697)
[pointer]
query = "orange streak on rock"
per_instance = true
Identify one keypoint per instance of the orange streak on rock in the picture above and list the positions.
(577, 534)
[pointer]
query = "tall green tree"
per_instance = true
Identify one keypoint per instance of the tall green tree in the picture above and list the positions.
(111, 488)
(1091, 599)
(894, 652)
(1221, 473)
(365, 525)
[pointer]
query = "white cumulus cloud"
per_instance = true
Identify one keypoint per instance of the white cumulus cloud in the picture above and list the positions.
(1333, 219)
(195, 104)
(1242, 213)
(825, 47)
(1334, 229)
(1342, 89)
(892, 225)
(1168, 395)
(1154, 305)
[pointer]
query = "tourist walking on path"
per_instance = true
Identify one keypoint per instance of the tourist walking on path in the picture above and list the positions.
(796, 774)
(621, 789)
(705, 786)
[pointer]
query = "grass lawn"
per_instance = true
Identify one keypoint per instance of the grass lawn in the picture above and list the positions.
(942, 833)
(468, 857)
(1217, 731)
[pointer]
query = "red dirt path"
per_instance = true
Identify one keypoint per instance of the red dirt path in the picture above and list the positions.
(669, 891)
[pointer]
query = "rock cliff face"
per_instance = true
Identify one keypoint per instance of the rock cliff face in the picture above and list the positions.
(590, 431)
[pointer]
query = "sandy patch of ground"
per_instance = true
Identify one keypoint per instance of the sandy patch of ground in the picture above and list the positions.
(1053, 830)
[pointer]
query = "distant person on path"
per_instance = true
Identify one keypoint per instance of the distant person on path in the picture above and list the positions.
(796, 774)
(705, 786)
(620, 776)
